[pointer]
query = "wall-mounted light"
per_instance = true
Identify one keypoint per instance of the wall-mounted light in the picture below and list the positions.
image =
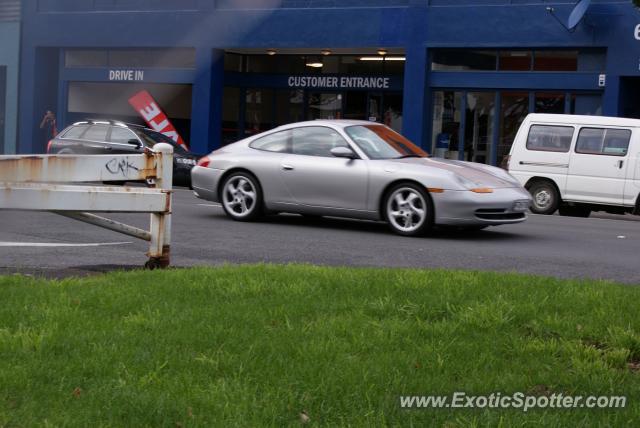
(382, 52)
(325, 52)
(380, 58)
(271, 52)
(314, 64)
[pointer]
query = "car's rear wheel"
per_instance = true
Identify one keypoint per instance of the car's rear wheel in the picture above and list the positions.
(241, 197)
(545, 198)
(408, 210)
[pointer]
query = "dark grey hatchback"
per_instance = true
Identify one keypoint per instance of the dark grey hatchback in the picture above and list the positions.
(102, 137)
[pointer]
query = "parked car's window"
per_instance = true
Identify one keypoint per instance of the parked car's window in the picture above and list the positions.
(96, 133)
(381, 142)
(121, 135)
(151, 138)
(602, 141)
(549, 138)
(316, 141)
(75, 131)
(276, 142)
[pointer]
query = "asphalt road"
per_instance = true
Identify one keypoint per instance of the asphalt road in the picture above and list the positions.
(603, 248)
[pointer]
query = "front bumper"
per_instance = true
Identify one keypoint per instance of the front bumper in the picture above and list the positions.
(204, 182)
(503, 206)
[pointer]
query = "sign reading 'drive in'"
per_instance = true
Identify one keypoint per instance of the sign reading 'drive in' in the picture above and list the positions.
(148, 108)
(126, 75)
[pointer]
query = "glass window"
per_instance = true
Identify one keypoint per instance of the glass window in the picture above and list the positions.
(598, 141)
(550, 138)
(479, 129)
(151, 138)
(86, 58)
(381, 142)
(258, 111)
(316, 141)
(289, 106)
(232, 62)
(153, 58)
(515, 107)
(592, 60)
(121, 135)
(515, 61)
(75, 131)
(324, 106)
(230, 115)
(462, 60)
(96, 133)
(447, 112)
(277, 142)
(586, 104)
(555, 61)
(549, 102)
(393, 111)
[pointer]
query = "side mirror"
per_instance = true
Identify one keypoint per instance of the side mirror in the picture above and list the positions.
(136, 143)
(343, 152)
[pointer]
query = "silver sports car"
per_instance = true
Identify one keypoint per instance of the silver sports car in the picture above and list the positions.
(355, 169)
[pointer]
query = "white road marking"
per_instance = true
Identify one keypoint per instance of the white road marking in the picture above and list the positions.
(56, 244)
(210, 205)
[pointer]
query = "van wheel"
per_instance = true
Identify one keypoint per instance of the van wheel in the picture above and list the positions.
(574, 211)
(545, 198)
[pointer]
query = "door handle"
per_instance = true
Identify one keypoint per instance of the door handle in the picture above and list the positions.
(287, 167)
(620, 164)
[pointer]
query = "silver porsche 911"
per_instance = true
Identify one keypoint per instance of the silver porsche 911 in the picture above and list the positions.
(355, 169)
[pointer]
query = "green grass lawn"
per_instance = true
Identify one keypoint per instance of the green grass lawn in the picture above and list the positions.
(255, 345)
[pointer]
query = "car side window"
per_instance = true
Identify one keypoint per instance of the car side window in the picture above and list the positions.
(96, 133)
(75, 131)
(316, 141)
(547, 138)
(121, 135)
(277, 142)
(603, 141)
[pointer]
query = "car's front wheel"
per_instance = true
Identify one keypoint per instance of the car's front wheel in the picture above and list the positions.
(408, 210)
(241, 197)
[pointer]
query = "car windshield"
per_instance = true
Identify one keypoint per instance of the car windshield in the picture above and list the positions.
(381, 142)
(151, 138)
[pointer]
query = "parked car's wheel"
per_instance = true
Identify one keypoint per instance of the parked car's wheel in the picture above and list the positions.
(574, 211)
(545, 198)
(241, 197)
(408, 210)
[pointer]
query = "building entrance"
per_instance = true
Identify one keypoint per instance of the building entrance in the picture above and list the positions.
(630, 97)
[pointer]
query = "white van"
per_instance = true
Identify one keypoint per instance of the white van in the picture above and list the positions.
(578, 164)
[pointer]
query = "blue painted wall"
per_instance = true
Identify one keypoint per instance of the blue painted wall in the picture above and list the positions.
(210, 26)
(10, 58)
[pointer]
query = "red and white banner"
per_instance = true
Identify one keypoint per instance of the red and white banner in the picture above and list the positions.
(157, 120)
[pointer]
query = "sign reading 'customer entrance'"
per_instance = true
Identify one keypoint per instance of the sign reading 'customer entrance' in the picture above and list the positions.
(339, 82)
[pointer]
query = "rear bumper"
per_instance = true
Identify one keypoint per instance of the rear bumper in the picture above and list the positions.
(469, 208)
(205, 182)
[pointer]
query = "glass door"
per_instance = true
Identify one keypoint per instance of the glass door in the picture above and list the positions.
(324, 105)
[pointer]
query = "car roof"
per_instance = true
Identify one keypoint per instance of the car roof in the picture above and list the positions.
(111, 122)
(335, 123)
(569, 119)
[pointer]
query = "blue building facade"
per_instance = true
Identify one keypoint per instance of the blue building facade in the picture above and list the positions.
(455, 76)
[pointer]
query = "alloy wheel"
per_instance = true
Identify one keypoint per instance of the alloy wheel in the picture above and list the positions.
(406, 209)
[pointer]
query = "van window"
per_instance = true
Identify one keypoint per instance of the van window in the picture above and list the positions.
(549, 138)
(600, 141)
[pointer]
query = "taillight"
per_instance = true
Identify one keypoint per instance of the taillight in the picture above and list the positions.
(49, 146)
(204, 162)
